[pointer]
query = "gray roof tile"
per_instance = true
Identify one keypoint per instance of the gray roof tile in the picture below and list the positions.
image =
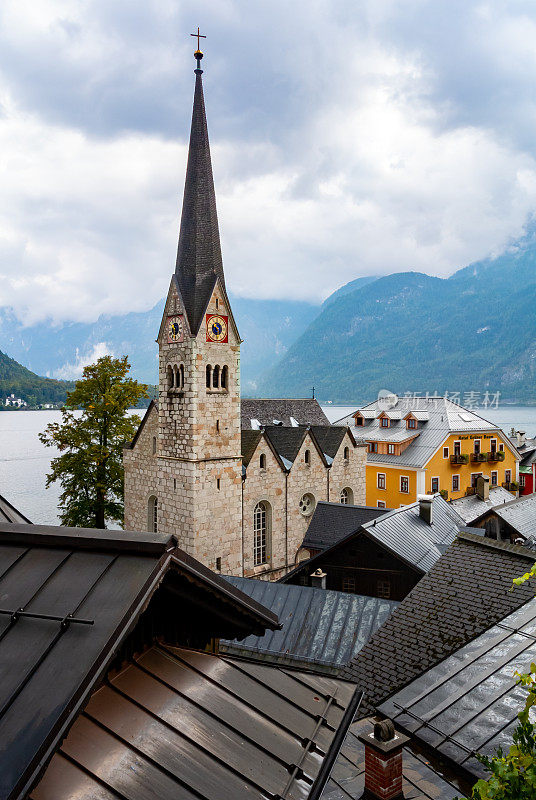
(306, 411)
(332, 522)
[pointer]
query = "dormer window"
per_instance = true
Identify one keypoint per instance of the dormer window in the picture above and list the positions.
(411, 423)
(359, 420)
(385, 422)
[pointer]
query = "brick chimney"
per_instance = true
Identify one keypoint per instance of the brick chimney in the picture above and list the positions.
(318, 579)
(482, 487)
(426, 502)
(383, 762)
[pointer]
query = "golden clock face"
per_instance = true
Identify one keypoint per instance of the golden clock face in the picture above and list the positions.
(175, 329)
(216, 328)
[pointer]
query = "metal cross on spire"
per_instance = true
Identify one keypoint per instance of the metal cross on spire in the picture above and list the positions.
(198, 54)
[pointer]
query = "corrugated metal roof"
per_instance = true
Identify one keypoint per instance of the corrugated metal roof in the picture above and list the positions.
(444, 417)
(177, 724)
(470, 701)
(320, 627)
(520, 514)
(472, 507)
(405, 533)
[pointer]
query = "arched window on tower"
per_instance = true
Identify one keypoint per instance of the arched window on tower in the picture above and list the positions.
(209, 376)
(262, 521)
(216, 377)
(176, 377)
(224, 377)
(347, 496)
(152, 514)
(170, 377)
(181, 376)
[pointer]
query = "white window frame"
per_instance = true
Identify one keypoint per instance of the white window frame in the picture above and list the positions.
(384, 476)
(508, 472)
(404, 491)
(446, 449)
(491, 445)
(501, 447)
(479, 445)
(496, 473)
(435, 478)
(457, 442)
(457, 475)
(260, 533)
(476, 475)
(381, 504)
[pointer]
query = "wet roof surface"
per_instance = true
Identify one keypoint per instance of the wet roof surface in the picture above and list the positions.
(321, 628)
(178, 724)
(520, 514)
(469, 702)
(421, 781)
(472, 507)
(305, 411)
(440, 614)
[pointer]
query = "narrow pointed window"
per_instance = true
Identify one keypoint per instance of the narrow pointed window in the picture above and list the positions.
(216, 377)
(152, 514)
(181, 376)
(170, 377)
(224, 377)
(209, 376)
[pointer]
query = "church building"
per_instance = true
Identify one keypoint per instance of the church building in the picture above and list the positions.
(236, 490)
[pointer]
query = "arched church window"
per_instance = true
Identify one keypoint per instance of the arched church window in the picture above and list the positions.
(224, 377)
(152, 514)
(261, 533)
(347, 497)
(346, 453)
(307, 457)
(180, 377)
(176, 377)
(262, 461)
(170, 377)
(216, 377)
(209, 376)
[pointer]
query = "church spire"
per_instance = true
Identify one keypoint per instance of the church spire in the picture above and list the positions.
(199, 259)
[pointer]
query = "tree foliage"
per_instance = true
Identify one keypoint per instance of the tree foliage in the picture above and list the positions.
(90, 465)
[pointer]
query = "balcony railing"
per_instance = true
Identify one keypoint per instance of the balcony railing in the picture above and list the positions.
(512, 486)
(479, 457)
(496, 455)
(459, 458)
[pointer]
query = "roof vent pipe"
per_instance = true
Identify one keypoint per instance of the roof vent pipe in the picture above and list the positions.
(383, 761)
(426, 502)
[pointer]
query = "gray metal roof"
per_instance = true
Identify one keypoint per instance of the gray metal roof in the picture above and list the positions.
(472, 507)
(444, 417)
(322, 629)
(520, 514)
(469, 702)
(405, 533)
(9, 513)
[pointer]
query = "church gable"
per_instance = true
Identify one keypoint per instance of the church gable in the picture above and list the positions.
(219, 324)
(174, 312)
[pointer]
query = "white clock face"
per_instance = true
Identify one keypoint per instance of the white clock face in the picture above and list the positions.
(175, 329)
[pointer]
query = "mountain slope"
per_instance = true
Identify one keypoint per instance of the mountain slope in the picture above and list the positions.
(16, 379)
(475, 331)
(268, 328)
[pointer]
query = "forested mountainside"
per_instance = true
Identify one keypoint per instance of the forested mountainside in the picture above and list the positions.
(409, 332)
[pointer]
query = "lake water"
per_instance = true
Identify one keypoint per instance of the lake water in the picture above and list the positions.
(24, 461)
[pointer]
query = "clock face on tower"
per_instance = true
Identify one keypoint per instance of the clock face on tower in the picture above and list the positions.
(175, 329)
(216, 328)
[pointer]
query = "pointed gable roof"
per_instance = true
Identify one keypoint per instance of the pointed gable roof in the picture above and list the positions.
(199, 261)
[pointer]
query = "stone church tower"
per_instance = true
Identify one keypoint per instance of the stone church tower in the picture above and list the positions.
(190, 484)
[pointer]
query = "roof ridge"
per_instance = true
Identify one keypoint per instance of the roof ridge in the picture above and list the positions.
(495, 544)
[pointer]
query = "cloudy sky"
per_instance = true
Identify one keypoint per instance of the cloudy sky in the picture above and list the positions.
(349, 137)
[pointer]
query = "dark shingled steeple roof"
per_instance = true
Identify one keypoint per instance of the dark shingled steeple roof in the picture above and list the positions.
(199, 259)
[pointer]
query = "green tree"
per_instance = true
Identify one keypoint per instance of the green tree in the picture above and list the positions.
(90, 465)
(513, 774)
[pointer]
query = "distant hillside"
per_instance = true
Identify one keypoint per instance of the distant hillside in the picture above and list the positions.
(268, 328)
(16, 379)
(475, 331)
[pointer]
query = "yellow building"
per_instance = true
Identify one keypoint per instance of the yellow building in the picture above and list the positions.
(422, 445)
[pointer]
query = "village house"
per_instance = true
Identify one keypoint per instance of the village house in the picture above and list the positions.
(237, 487)
(527, 466)
(420, 445)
